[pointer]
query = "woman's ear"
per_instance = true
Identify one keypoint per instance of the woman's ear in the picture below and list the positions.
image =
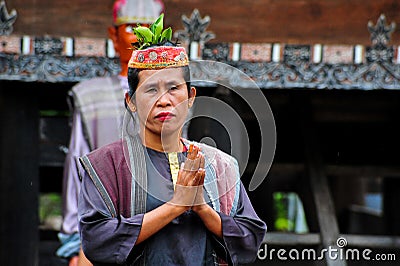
(192, 96)
(130, 103)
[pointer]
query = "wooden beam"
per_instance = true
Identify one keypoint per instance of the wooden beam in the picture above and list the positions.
(257, 21)
(356, 241)
(391, 199)
(288, 239)
(368, 241)
(337, 170)
(328, 225)
(18, 175)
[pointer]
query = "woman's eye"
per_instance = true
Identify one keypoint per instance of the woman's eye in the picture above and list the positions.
(174, 88)
(129, 29)
(151, 90)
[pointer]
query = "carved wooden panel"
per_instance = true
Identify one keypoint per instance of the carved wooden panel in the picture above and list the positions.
(259, 21)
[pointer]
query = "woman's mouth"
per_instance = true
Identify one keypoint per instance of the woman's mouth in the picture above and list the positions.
(163, 116)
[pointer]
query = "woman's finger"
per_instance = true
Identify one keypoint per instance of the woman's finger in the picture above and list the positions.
(202, 176)
(192, 152)
(202, 161)
(196, 179)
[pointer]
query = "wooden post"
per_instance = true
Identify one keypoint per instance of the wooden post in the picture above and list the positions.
(18, 174)
(328, 225)
(391, 199)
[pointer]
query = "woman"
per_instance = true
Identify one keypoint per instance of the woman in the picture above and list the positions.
(154, 198)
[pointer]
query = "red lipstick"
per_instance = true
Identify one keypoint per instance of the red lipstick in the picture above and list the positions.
(163, 116)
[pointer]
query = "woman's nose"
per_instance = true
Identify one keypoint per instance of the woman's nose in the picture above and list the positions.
(164, 99)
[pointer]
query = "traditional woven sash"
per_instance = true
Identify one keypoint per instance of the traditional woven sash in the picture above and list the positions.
(174, 166)
(139, 174)
(100, 103)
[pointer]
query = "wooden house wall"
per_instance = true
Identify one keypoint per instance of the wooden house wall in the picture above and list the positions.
(347, 120)
(285, 21)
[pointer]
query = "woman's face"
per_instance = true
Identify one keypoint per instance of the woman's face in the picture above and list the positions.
(162, 100)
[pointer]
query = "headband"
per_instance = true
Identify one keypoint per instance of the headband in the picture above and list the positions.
(154, 49)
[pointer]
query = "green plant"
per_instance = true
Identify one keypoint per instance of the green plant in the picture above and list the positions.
(153, 35)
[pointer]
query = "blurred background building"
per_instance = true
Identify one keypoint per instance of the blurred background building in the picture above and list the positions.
(330, 71)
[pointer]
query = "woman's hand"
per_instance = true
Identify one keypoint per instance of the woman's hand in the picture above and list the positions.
(189, 184)
(189, 191)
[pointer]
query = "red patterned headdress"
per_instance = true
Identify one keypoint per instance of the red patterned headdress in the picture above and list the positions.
(159, 57)
(154, 49)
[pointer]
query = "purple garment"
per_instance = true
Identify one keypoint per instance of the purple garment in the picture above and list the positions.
(80, 145)
(71, 182)
(185, 241)
(91, 128)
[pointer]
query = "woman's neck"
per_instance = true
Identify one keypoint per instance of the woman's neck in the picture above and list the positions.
(163, 143)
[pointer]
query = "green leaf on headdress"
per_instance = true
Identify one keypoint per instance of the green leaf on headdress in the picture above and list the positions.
(143, 34)
(166, 35)
(152, 35)
(157, 28)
